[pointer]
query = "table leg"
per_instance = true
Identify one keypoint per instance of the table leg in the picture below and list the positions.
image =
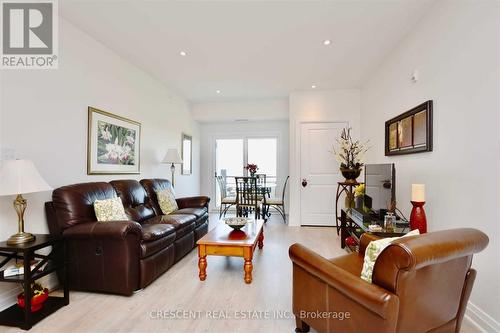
(27, 290)
(248, 266)
(202, 262)
(261, 239)
(248, 270)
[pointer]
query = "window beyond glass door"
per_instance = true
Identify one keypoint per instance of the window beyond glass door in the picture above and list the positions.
(264, 153)
(229, 162)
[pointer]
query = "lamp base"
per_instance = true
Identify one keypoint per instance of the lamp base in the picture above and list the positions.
(20, 238)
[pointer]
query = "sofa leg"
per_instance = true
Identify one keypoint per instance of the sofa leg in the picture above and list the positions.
(302, 327)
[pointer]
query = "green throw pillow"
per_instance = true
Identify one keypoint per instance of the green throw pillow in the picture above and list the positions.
(166, 200)
(374, 249)
(110, 210)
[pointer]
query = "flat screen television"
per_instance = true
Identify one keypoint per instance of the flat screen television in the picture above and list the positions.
(380, 186)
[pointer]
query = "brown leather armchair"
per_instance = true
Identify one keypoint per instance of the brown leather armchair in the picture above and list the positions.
(420, 284)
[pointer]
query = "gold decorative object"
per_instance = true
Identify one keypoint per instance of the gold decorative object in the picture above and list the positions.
(21, 237)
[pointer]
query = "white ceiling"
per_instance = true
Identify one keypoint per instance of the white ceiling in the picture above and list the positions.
(249, 49)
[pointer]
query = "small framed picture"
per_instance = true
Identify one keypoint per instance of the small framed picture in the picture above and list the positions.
(113, 144)
(410, 132)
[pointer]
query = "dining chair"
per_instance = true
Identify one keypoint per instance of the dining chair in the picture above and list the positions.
(247, 196)
(261, 180)
(279, 203)
(225, 201)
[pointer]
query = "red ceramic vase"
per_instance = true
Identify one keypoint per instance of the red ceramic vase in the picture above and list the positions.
(417, 217)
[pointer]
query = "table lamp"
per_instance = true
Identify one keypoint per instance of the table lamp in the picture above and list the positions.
(19, 177)
(172, 157)
(418, 219)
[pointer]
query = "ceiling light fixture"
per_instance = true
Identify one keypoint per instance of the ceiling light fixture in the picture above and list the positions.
(218, 91)
(313, 86)
(327, 42)
(183, 53)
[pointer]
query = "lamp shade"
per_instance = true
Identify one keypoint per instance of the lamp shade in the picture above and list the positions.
(172, 156)
(20, 177)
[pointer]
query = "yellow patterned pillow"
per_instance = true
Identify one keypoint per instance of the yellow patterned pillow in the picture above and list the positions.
(166, 200)
(373, 250)
(110, 210)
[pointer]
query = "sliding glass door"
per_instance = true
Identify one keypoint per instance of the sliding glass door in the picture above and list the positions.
(232, 154)
(264, 153)
(229, 162)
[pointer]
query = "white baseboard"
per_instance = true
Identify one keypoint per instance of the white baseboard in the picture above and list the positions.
(481, 319)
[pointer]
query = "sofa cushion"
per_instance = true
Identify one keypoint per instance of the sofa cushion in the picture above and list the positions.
(134, 199)
(74, 204)
(198, 212)
(151, 186)
(152, 247)
(151, 232)
(110, 210)
(166, 201)
(182, 223)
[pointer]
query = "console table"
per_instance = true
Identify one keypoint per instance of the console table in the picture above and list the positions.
(55, 261)
(352, 226)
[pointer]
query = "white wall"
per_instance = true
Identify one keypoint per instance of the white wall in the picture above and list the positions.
(255, 110)
(210, 131)
(455, 49)
(316, 106)
(44, 118)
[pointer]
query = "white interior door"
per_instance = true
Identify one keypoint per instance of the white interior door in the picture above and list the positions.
(321, 171)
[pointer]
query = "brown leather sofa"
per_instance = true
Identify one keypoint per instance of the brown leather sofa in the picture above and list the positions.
(123, 256)
(420, 284)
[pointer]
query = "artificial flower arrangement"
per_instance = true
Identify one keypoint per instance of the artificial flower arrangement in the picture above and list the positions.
(349, 153)
(252, 168)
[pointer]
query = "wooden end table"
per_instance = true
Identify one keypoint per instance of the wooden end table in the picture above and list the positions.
(224, 241)
(55, 261)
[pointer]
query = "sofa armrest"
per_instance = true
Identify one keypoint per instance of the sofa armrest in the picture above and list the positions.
(365, 239)
(193, 202)
(372, 297)
(103, 230)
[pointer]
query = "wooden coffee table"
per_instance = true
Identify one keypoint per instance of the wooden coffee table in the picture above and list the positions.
(224, 241)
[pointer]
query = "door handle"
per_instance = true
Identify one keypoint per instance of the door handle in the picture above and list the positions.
(304, 182)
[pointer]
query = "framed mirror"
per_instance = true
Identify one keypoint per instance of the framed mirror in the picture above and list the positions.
(187, 154)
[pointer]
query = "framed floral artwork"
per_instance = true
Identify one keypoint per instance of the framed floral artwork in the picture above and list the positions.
(113, 144)
(410, 132)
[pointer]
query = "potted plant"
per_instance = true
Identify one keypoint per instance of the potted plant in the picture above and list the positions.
(349, 154)
(252, 168)
(38, 298)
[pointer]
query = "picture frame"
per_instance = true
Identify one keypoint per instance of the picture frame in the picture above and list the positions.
(113, 144)
(187, 154)
(410, 132)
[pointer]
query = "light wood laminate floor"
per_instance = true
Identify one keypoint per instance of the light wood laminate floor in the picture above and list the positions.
(223, 293)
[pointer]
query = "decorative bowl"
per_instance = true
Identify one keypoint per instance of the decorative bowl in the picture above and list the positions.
(236, 222)
(36, 301)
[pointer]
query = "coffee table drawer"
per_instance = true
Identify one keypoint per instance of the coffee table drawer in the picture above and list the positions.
(216, 250)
